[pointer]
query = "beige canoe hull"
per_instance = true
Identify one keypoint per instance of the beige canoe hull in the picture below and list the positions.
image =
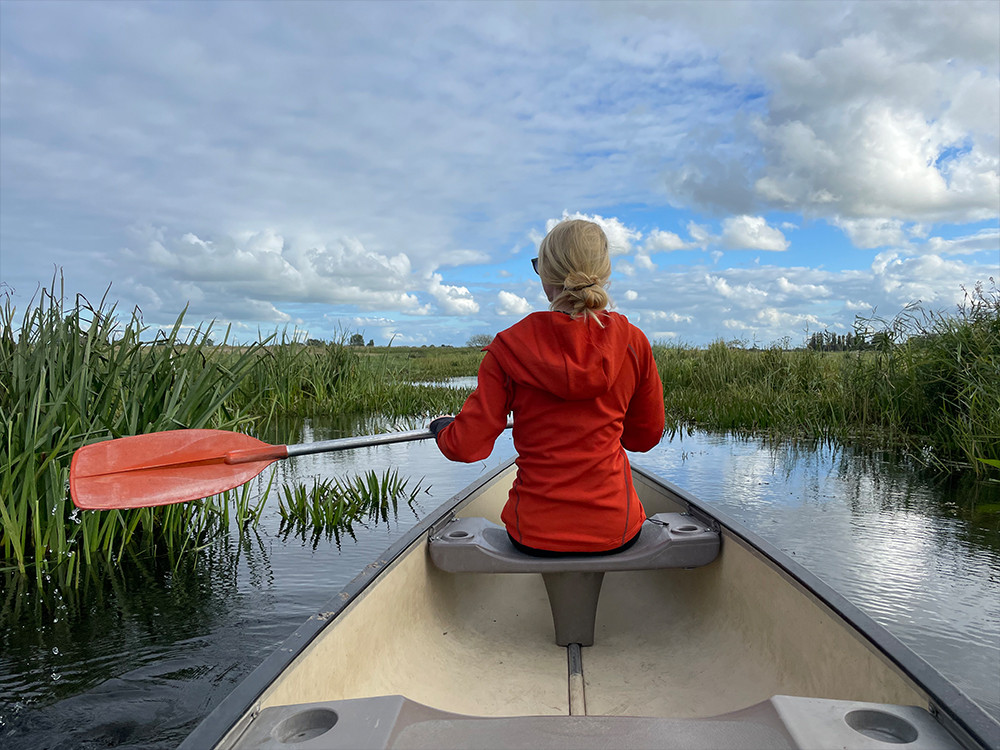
(674, 643)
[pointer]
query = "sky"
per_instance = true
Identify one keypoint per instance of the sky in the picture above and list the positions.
(763, 170)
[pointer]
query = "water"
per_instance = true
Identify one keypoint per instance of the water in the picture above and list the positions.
(136, 658)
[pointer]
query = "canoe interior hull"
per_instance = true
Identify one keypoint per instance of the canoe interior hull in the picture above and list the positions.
(670, 645)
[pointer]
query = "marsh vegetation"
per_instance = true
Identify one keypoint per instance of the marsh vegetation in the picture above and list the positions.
(923, 381)
(73, 372)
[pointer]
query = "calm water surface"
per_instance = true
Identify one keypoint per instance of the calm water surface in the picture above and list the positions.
(136, 658)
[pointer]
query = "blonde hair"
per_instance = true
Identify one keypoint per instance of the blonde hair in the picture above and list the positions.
(574, 256)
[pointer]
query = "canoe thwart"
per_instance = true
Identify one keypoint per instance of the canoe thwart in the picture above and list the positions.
(573, 583)
(783, 722)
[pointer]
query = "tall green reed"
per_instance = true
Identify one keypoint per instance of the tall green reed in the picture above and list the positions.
(933, 379)
(923, 381)
(72, 373)
(728, 387)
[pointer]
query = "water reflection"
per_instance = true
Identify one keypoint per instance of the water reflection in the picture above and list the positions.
(71, 659)
(910, 551)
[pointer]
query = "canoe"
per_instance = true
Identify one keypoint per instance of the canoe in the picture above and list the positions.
(708, 636)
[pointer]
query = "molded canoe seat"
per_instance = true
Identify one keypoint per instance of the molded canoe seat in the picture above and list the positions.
(573, 583)
(668, 540)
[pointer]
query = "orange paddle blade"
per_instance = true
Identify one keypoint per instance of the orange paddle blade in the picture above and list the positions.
(166, 467)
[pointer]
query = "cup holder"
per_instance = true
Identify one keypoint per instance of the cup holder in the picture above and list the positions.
(458, 534)
(685, 528)
(304, 725)
(881, 726)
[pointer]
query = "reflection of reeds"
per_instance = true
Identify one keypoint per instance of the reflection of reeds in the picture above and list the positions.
(332, 506)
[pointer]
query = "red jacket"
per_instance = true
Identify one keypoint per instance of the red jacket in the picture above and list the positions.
(581, 395)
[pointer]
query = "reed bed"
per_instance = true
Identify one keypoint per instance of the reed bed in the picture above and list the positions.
(292, 379)
(332, 506)
(923, 381)
(73, 375)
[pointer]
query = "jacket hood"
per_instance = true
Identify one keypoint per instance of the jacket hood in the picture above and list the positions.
(572, 359)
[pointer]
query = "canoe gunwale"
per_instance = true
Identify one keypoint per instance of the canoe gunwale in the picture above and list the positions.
(953, 708)
(966, 720)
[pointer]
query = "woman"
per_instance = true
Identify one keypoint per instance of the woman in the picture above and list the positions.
(583, 387)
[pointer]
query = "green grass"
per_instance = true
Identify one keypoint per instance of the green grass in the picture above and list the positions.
(428, 363)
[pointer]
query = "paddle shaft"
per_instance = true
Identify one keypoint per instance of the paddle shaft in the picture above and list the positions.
(272, 452)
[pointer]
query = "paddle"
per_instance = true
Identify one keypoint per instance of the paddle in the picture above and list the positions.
(181, 465)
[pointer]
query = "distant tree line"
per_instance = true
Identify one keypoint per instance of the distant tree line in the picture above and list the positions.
(825, 341)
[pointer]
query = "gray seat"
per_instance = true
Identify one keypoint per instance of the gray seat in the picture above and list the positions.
(573, 583)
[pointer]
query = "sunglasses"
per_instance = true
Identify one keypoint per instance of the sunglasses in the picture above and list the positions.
(534, 264)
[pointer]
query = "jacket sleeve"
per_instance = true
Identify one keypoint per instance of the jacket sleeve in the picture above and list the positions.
(482, 418)
(644, 419)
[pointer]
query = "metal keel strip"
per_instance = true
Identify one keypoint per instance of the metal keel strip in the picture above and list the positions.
(577, 695)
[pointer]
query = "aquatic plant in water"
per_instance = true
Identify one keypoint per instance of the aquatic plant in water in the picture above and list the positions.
(332, 506)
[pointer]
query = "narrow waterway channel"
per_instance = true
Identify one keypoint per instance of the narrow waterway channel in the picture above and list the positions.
(135, 658)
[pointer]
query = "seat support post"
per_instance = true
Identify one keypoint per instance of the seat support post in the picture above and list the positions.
(573, 598)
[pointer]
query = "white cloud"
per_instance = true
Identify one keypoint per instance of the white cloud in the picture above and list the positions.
(461, 257)
(857, 305)
(251, 274)
(357, 323)
(644, 262)
(870, 233)
(673, 317)
(453, 300)
(985, 241)
(751, 233)
(631, 295)
(773, 318)
(802, 291)
(865, 128)
(744, 295)
(510, 304)
(700, 234)
(660, 240)
(929, 279)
